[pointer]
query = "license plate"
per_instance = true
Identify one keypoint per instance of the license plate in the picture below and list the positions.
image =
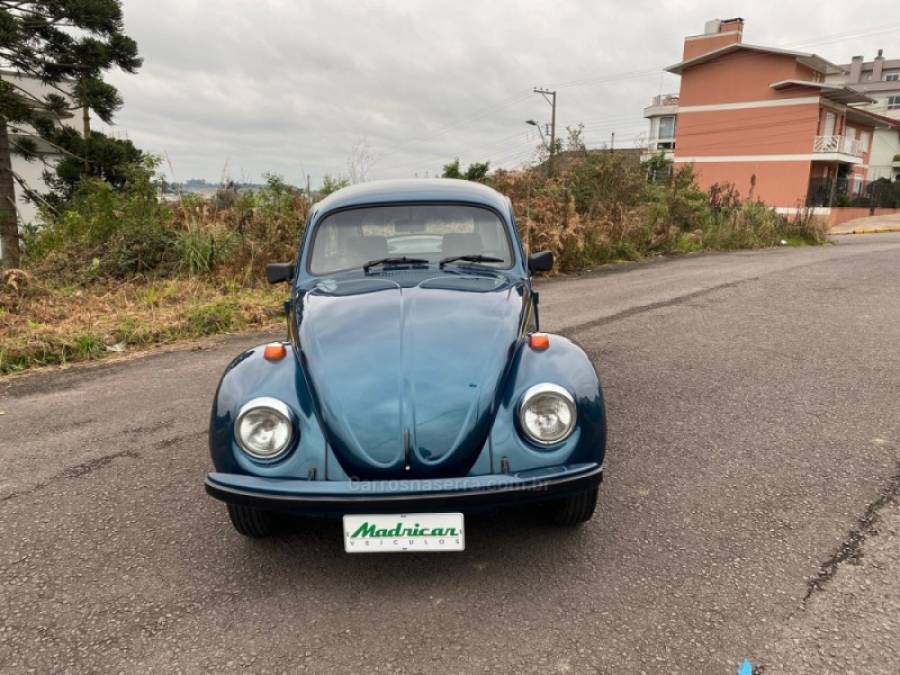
(395, 533)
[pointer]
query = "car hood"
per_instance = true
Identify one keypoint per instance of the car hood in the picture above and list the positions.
(405, 377)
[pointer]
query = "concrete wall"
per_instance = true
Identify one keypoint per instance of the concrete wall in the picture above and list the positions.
(843, 214)
(741, 76)
(698, 45)
(719, 33)
(748, 131)
(31, 173)
(777, 183)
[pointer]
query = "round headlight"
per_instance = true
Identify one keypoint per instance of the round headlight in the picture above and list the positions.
(547, 414)
(264, 429)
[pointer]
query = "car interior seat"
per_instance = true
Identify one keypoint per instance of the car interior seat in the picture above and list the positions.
(462, 243)
(365, 249)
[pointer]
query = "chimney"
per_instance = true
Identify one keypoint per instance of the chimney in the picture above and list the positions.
(877, 66)
(855, 70)
(717, 33)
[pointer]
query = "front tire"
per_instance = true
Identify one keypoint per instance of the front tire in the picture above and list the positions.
(252, 522)
(574, 509)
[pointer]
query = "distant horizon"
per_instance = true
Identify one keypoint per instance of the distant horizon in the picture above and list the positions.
(261, 182)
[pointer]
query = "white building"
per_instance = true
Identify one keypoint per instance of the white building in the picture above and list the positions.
(663, 116)
(880, 80)
(31, 171)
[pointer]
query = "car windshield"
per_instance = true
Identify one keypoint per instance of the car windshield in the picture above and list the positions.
(349, 239)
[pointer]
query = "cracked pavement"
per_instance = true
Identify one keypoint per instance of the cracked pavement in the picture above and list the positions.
(753, 461)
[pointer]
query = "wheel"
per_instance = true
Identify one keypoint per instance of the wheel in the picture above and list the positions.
(574, 509)
(252, 522)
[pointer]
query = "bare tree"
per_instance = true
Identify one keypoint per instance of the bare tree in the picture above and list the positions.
(360, 162)
(575, 138)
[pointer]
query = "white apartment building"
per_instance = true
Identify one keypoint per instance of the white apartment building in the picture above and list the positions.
(879, 79)
(31, 172)
(662, 114)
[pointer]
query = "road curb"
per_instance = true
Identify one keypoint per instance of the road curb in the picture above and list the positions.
(869, 230)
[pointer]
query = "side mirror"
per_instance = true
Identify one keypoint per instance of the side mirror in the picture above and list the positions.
(277, 272)
(542, 261)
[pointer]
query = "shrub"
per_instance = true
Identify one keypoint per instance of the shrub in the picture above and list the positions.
(106, 232)
(202, 247)
(109, 233)
(601, 209)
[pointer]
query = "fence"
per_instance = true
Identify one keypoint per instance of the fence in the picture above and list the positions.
(879, 194)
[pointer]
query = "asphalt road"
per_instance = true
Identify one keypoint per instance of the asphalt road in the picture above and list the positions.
(749, 508)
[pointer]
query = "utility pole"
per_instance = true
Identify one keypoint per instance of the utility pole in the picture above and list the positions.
(308, 190)
(612, 141)
(550, 97)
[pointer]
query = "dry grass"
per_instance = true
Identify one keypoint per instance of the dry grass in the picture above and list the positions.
(43, 324)
(601, 211)
(121, 270)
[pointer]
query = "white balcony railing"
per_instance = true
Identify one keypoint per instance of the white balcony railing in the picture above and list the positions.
(665, 99)
(655, 145)
(837, 143)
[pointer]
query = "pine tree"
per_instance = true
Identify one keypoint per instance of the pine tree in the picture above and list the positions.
(68, 45)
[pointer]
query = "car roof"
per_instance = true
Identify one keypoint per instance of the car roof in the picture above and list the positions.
(414, 190)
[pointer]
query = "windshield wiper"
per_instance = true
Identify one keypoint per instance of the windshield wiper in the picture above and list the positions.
(475, 257)
(403, 260)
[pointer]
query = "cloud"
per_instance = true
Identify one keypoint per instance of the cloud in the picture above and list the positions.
(289, 87)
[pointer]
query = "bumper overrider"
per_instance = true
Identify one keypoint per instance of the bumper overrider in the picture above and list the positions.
(403, 495)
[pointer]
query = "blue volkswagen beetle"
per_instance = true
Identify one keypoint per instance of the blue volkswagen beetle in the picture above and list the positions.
(414, 387)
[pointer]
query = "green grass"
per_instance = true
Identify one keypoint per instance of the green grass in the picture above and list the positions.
(216, 317)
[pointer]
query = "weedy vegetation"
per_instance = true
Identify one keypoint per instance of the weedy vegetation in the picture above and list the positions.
(121, 268)
(603, 210)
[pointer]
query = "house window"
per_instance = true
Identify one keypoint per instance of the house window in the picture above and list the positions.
(667, 127)
(892, 77)
(893, 102)
(864, 141)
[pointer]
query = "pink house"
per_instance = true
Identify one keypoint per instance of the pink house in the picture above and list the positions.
(766, 120)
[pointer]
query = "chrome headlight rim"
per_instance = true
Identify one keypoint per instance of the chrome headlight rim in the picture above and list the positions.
(542, 389)
(271, 404)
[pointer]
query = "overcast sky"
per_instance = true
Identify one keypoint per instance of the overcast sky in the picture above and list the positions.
(290, 87)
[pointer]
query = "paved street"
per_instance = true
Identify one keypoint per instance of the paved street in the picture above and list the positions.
(749, 508)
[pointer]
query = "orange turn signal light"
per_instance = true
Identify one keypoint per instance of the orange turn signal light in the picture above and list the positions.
(539, 341)
(274, 351)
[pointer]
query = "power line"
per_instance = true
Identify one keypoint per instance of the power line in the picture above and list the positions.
(459, 122)
(838, 37)
(415, 161)
(830, 39)
(609, 78)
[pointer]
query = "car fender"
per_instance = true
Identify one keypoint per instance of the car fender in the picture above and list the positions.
(250, 376)
(565, 364)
